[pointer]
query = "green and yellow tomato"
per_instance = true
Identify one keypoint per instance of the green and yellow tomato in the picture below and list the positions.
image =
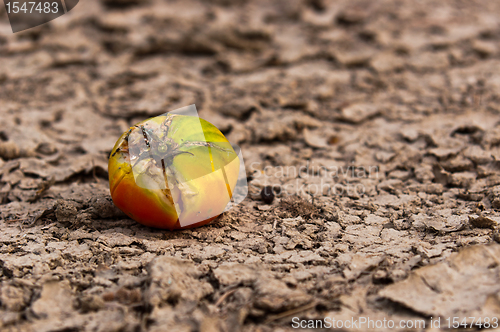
(173, 171)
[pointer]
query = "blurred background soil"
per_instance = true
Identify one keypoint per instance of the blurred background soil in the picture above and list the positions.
(398, 100)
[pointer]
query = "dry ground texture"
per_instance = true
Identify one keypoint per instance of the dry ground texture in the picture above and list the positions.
(389, 109)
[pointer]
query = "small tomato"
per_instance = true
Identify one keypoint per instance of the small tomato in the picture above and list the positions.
(173, 171)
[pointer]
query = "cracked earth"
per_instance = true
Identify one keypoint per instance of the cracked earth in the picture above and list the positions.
(376, 122)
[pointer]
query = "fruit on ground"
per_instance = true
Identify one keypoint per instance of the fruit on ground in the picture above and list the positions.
(173, 171)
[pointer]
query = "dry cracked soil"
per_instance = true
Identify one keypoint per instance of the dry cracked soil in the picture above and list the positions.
(376, 123)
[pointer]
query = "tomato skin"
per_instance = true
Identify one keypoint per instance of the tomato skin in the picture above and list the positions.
(143, 205)
(152, 207)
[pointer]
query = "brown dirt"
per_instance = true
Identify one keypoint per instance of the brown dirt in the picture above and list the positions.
(389, 110)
